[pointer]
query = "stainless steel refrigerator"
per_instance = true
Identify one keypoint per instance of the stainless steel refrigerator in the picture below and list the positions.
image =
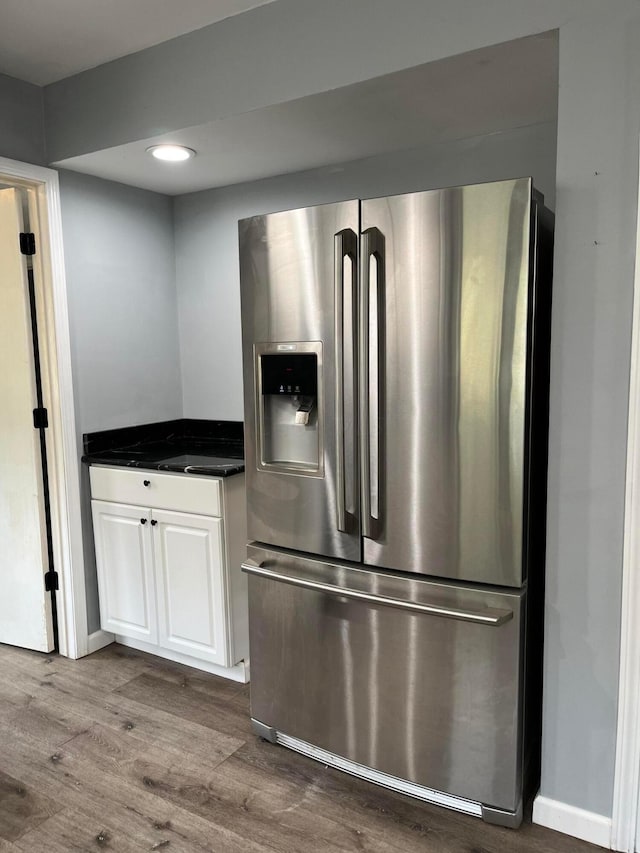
(396, 373)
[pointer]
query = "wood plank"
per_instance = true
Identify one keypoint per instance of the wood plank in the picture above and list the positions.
(12, 697)
(113, 751)
(103, 793)
(192, 783)
(251, 807)
(210, 798)
(50, 725)
(108, 668)
(70, 831)
(21, 807)
(107, 749)
(188, 704)
(64, 690)
(218, 689)
(188, 782)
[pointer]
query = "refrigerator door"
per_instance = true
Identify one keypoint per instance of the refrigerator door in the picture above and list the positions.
(416, 679)
(445, 303)
(298, 272)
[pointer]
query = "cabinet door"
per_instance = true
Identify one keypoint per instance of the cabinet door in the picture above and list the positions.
(192, 600)
(125, 570)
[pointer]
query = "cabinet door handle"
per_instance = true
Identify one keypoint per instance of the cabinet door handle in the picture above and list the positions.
(143, 521)
(146, 482)
(153, 522)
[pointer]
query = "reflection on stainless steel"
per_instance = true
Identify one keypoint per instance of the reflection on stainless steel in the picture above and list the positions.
(395, 584)
(313, 677)
(456, 298)
(287, 266)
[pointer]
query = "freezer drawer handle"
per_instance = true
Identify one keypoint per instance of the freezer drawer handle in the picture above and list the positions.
(489, 616)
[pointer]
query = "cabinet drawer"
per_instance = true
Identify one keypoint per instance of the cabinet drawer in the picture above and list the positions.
(181, 492)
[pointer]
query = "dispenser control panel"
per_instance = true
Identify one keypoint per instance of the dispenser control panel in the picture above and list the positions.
(294, 374)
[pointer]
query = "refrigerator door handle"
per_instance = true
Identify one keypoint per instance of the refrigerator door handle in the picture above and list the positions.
(489, 616)
(371, 246)
(345, 246)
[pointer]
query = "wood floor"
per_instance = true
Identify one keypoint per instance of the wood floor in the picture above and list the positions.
(122, 751)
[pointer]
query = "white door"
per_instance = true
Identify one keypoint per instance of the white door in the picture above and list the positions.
(124, 560)
(25, 606)
(189, 556)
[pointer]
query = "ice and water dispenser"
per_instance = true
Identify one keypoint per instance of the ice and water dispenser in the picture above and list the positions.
(289, 418)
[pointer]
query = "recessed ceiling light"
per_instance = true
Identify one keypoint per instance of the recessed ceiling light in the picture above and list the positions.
(171, 153)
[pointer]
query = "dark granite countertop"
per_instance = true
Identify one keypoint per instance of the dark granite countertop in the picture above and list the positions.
(186, 446)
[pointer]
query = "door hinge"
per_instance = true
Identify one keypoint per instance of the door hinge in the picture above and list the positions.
(40, 419)
(28, 243)
(51, 581)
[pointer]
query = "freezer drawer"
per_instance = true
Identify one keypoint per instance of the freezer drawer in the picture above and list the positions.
(417, 679)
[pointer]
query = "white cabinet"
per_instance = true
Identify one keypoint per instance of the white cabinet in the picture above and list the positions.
(191, 587)
(169, 577)
(125, 570)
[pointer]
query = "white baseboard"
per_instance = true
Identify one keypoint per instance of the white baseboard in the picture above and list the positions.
(98, 640)
(562, 817)
(240, 672)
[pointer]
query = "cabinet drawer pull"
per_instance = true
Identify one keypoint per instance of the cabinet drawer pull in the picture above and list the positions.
(143, 521)
(153, 522)
(146, 482)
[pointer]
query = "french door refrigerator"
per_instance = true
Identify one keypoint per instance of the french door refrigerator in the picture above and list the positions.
(396, 371)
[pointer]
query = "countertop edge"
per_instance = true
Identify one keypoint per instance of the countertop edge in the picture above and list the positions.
(208, 471)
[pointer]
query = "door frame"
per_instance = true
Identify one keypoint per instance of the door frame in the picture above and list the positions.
(62, 441)
(626, 792)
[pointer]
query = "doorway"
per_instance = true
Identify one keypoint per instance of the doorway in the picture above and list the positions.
(34, 541)
(28, 606)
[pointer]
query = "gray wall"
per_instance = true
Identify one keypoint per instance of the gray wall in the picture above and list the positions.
(123, 316)
(597, 187)
(119, 258)
(275, 53)
(295, 47)
(21, 121)
(206, 239)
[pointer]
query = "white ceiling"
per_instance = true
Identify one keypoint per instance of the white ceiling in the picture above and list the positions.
(498, 88)
(42, 41)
